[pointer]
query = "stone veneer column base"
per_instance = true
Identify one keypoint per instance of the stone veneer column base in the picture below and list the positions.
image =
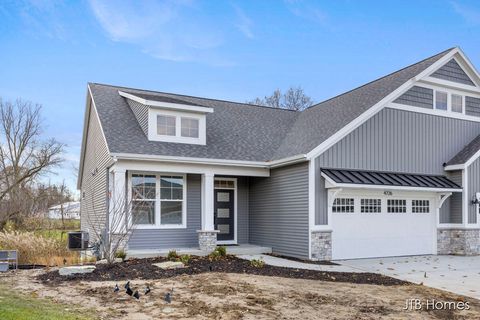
(321, 245)
(465, 242)
(207, 240)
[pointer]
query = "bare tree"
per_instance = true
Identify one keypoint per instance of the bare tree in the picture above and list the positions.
(111, 234)
(23, 155)
(294, 99)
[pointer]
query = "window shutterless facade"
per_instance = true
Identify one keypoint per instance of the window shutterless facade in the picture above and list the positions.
(343, 205)
(396, 206)
(176, 126)
(370, 205)
(158, 200)
(420, 206)
(441, 100)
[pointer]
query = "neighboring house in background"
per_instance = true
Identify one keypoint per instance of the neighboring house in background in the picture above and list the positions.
(390, 168)
(71, 210)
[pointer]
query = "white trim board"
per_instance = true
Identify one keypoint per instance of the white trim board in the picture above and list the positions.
(367, 114)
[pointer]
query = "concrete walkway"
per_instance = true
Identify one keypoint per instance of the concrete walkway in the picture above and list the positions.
(281, 262)
(457, 274)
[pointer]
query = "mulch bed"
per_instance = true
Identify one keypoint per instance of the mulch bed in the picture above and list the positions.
(143, 269)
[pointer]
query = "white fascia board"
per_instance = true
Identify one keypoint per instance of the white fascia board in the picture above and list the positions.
(377, 107)
(473, 71)
(88, 113)
(454, 167)
(219, 162)
(451, 85)
(190, 167)
(166, 105)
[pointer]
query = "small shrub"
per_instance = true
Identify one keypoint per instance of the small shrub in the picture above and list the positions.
(218, 253)
(184, 258)
(121, 254)
(257, 263)
(222, 251)
(172, 255)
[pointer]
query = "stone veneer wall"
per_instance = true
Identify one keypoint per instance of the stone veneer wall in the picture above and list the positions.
(321, 245)
(458, 241)
(207, 240)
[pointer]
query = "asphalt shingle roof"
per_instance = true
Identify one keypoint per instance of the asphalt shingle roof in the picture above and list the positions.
(466, 153)
(238, 131)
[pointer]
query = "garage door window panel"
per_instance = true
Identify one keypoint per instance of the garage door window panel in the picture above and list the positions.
(343, 205)
(370, 205)
(420, 206)
(396, 206)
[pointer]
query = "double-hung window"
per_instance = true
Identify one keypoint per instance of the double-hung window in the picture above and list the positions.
(158, 200)
(441, 100)
(457, 103)
(143, 199)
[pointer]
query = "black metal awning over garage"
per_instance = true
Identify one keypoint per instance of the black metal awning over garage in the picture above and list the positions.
(377, 179)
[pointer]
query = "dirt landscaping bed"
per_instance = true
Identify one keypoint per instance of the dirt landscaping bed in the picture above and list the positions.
(144, 269)
(221, 295)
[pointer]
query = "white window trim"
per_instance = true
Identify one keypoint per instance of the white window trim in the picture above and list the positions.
(154, 136)
(158, 215)
(235, 213)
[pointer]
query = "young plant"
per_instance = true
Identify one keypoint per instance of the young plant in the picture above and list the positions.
(257, 263)
(218, 253)
(184, 258)
(172, 255)
(222, 251)
(121, 254)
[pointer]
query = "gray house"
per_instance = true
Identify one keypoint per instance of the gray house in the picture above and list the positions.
(390, 168)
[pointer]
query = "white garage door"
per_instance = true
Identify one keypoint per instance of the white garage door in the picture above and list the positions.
(368, 226)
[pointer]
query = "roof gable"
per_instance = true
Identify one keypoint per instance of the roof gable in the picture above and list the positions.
(452, 71)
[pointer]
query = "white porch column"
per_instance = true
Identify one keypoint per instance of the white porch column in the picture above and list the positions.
(207, 237)
(117, 203)
(207, 202)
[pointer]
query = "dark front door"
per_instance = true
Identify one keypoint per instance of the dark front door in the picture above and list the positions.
(224, 214)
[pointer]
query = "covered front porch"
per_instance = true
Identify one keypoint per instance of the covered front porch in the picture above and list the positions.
(188, 208)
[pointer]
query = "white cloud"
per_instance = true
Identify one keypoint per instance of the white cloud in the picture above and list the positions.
(244, 23)
(306, 11)
(169, 30)
(470, 15)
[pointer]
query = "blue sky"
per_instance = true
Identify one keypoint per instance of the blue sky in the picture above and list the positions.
(234, 50)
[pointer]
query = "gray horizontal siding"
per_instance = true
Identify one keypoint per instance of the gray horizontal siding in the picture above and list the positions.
(452, 71)
(174, 238)
(93, 204)
(279, 210)
(396, 140)
(451, 211)
(472, 106)
(242, 208)
(473, 188)
(417, 97)
(141, 114)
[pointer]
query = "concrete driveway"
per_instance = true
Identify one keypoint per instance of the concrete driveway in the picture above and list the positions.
(456, 274)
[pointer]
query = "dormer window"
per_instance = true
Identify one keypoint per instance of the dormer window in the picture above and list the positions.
(190, 127)
(169, 119)
(166, 125)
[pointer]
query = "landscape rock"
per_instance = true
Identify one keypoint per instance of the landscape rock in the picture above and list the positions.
(104, 261)
(66, 271)
(169, 265)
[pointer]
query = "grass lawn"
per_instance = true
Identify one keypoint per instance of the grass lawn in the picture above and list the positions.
(14, 306)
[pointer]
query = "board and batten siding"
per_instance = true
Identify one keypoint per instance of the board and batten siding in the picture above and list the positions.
(452, 71)
(140, 112)
(396, 140)
(174, 238)
(93, 203)
(473, 188)
(279, 210)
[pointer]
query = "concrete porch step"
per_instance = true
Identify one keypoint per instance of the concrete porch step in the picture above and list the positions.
(242, 249)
